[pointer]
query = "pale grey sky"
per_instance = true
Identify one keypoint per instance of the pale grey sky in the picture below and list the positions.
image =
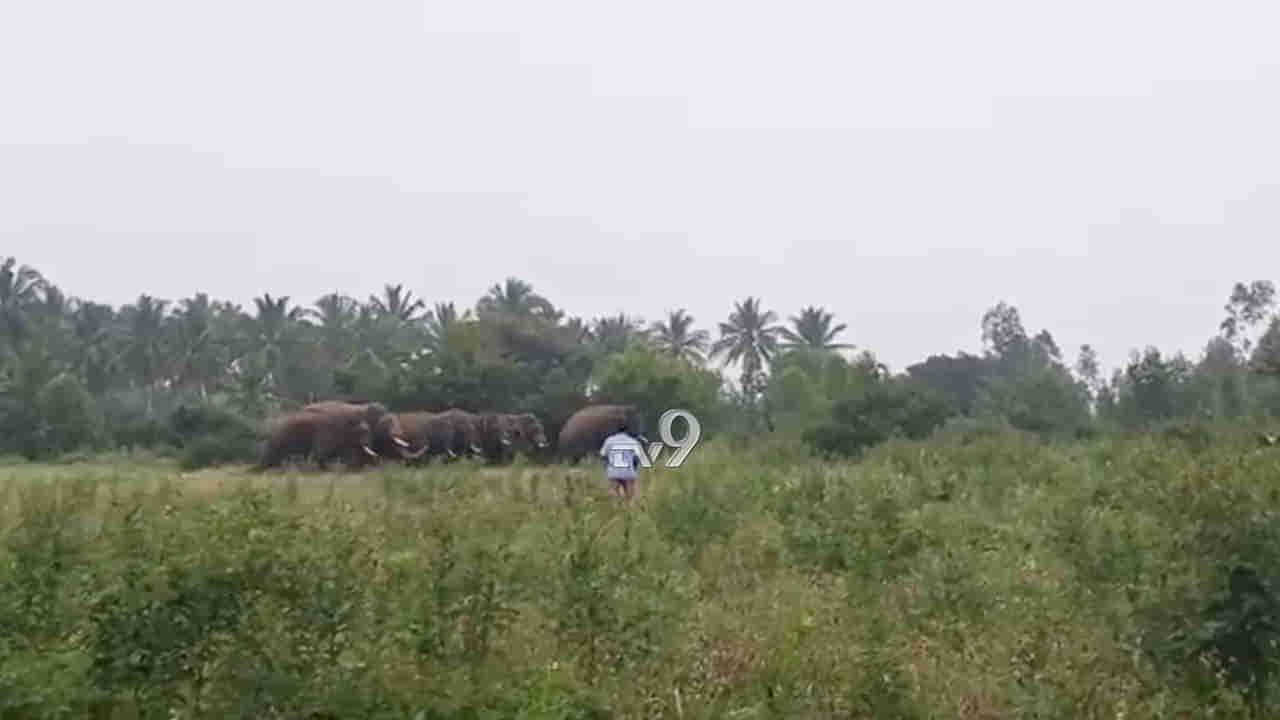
(1109, 168)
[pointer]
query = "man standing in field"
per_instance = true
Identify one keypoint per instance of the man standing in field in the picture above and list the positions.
(621, 454)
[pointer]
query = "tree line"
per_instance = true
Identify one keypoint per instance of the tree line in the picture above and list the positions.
(76, 374)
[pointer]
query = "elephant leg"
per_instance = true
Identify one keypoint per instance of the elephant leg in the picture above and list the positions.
(325, 448)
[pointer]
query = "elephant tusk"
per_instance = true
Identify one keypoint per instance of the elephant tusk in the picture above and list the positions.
(368, 452)
(505, 441)
(451, 453)
(400, 442)
(475, 449)
(542, 444)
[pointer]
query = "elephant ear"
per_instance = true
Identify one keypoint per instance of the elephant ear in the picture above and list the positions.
(373, 414)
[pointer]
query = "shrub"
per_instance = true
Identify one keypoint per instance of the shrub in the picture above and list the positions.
(874, 412)
(210, 435)
(70, 415)
(1195, 436)
(1045, 401)
(217, 450)
(655, 383)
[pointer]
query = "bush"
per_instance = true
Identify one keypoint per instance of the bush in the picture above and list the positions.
(1045, 401)
(875, 412)
(70, 415)
(1129, 576)
(1195, 436)
(218, 450)
(131, 427)
(211, 435)
(655, 383)
(137, 433)
(192, 421)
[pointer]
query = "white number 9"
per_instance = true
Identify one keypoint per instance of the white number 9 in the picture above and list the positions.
(686, 443)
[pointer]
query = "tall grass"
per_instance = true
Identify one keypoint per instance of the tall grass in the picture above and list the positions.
(975, 575)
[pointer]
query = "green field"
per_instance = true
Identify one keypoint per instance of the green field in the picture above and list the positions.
(989, 576)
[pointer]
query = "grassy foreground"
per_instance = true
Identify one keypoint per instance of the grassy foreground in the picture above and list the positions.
(980, 577)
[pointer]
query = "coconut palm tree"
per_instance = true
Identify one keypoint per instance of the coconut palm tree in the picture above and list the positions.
(398, 303)
(334, 312)
(54, 308)
(19, 289)
(200, 352)
(91, 336)
(750, 337)
(274, 332)
(440, 320)
(516, 297)
(677, 337)
(613, 334)
(335, 318)
(812, 329)
(144, 330)
(50, 317)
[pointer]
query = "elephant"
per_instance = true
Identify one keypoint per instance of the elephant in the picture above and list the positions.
(528, 432)
(430, 433)
(319, 437)
(388, 435)
(469, 434)
(585, 431)
(496, 431)
(451, 433)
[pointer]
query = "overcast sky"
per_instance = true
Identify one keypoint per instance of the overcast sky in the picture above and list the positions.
(1109, 168)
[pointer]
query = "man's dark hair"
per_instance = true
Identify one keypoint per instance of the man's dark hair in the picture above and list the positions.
(622, 428)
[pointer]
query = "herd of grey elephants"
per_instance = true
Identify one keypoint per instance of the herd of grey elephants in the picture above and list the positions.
(362, 434)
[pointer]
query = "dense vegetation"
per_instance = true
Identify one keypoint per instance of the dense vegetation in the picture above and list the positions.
(197, 375)
(983, 573)
(999, 535)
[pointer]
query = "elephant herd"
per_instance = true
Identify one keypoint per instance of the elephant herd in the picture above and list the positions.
(361, 434)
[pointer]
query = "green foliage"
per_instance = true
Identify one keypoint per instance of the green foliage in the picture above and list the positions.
(692, 513)
(610, 613)
(44, 410)
(1265, 359)
(1132, 574)
(835, 526)
(470, 604)
(122, 371)
(209, 434)
(958, 379)
(877, 411)
(806, 383)
(655, 382)
(1045, 400)
(191, 421)
(69, 415)
(1152, 389)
